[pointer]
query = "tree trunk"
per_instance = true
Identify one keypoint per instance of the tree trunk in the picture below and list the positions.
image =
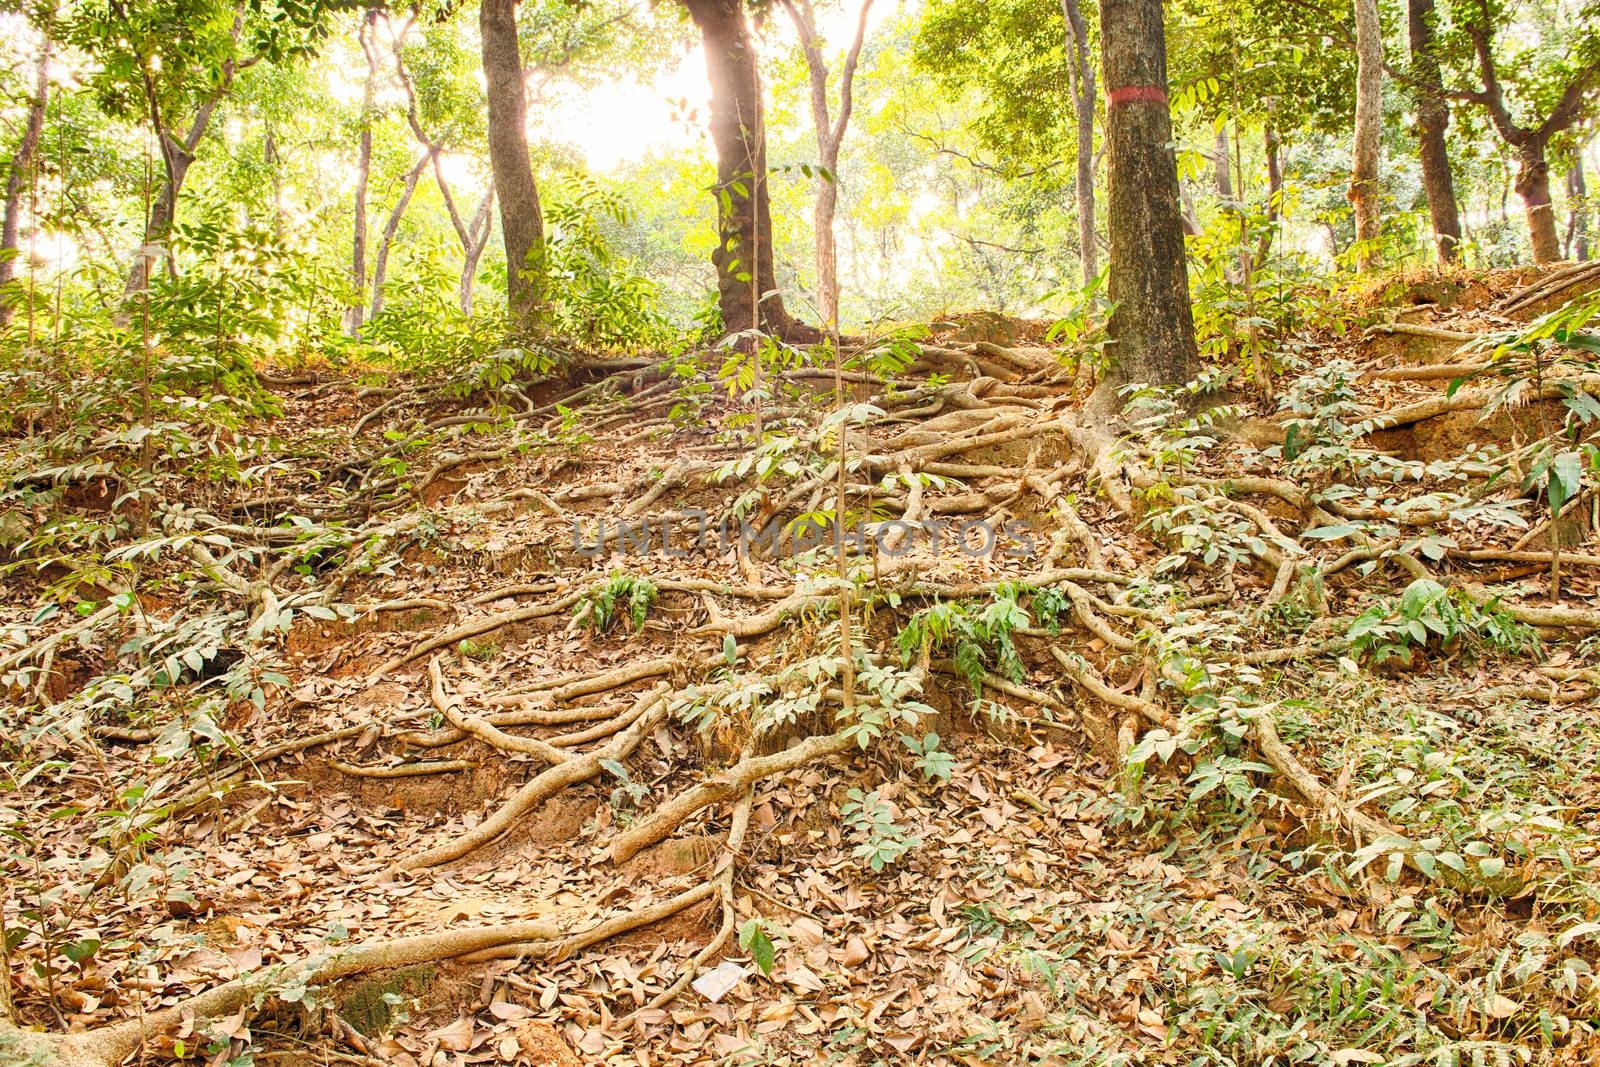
(822, 214)
(17, 175)
(830, 135)
(521, 220)
(1533, 186)
(1080, 76)
(1190, 217)
(1433, 116)
(355, 314)
(274, 161)
(1152, 326)
(743, 255)
(1272, 145)
(1364, 190)
(1221, 169)
(1578, 211)
(380, 262)
(176, 162)
(477, 239)
(1274, 194)
(176, 158)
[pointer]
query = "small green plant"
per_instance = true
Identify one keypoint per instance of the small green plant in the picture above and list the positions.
(482, 650)
(1428, 614)
(628, 793)
(977, 640)
(1169, 423)
(883, 843)
(934, 763)
(622, 596)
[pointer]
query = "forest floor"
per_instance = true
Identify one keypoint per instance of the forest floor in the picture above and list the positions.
(1206, 789)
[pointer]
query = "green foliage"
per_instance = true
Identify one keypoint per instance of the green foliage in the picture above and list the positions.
(979, 640)
(1427, 615)
(882, 841)
(621, 597)
(1257, 306)
(598, 299)
(1168, 422)
(1012, 58)
(1553, 351)
(240, 287)
(934, 763)
(629, 793)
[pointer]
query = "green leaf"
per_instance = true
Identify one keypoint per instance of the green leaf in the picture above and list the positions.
(78, 951)
(754, 940)
(1566, 478)
(1329, 533)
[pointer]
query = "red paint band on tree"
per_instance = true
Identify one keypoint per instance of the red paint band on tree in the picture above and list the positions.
(1129, 93)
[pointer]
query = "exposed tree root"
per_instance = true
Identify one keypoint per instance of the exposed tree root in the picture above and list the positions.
(572, 770)
(450, 707)
(556, 951)
(110, 1045)
(1467, 400)
(477, 629)
(721, 787)
(1555, 282)
(571, 686)
(404, 770)
(540, 939)
(724, 886)
(1436, 333)
(1082, 674)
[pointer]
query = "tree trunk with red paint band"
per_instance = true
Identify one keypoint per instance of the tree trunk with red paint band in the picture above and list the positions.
(1152, 325)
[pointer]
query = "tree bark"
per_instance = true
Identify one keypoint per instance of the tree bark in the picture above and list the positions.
(1221, 168)
(1080, 80)
(1578, 211)
(17, 175)
(176, 161)
(1272, 146)
(743, 255)
(274, 161)
(176, 158)
(1152, 326)
(380, 263)
(355, 314)
(473, 234)
(830, 135)
(521, 219)
(477, 239)
(1533, 186)
(1364, 189)
(1433, 116)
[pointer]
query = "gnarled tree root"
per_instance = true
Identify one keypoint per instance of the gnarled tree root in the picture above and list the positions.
(110, 1045)
(723, 786)
(574, 769)
(540, 938)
